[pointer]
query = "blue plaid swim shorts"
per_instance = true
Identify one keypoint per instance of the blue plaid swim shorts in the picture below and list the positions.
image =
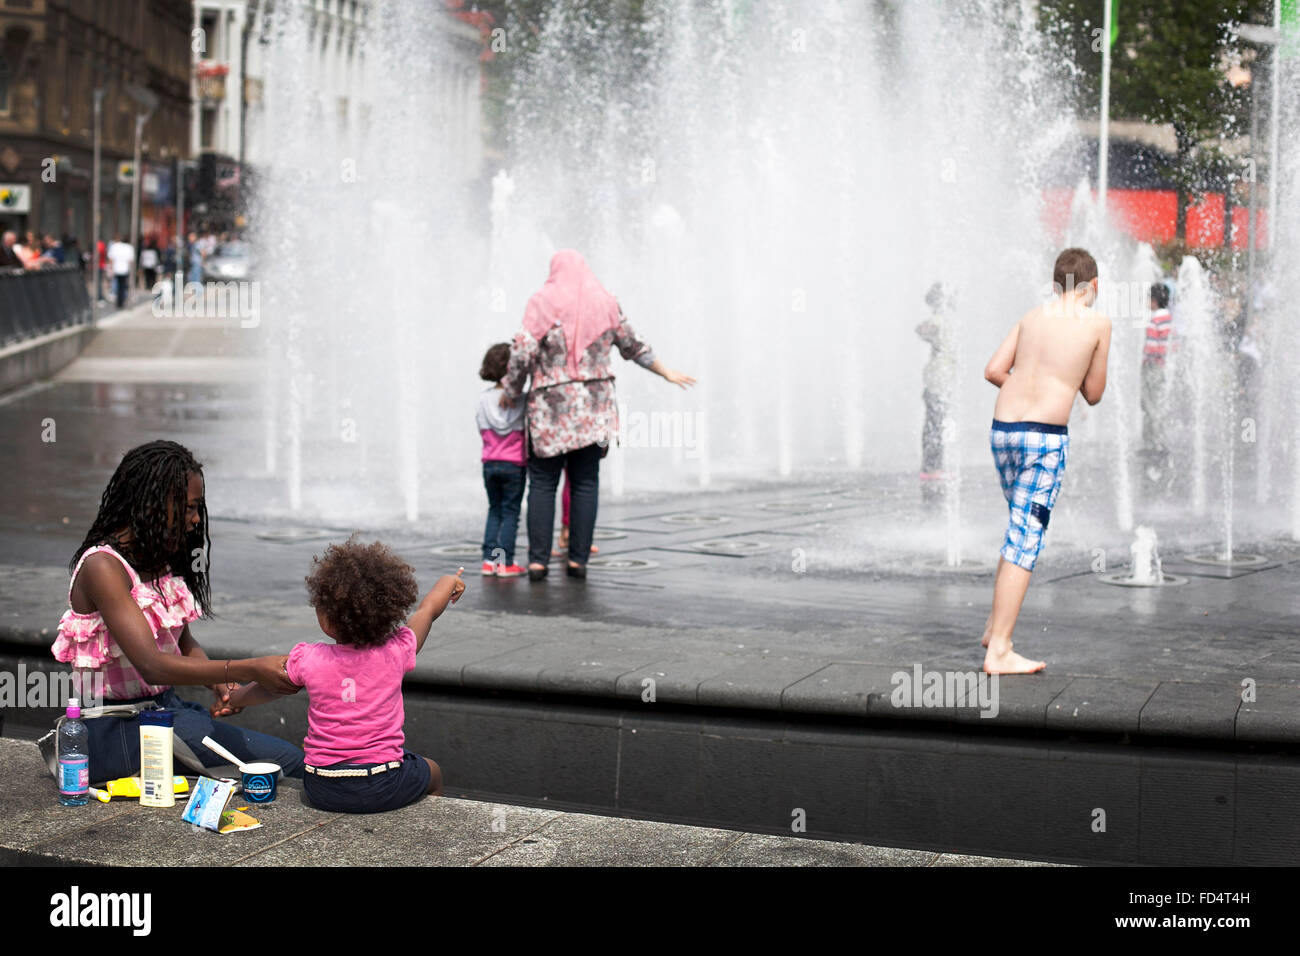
(1030, 459)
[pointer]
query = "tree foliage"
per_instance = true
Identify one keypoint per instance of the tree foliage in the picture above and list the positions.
(1168, 64)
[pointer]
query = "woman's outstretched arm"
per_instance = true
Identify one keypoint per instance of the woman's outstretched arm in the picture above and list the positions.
(635, 350)
(677, 378)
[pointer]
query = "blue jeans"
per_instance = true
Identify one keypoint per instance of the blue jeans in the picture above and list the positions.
(121, 286)
(544, 474)
(115, 741)
(504, 482)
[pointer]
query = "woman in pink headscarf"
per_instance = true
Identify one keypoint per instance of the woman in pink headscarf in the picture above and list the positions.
(569, 326)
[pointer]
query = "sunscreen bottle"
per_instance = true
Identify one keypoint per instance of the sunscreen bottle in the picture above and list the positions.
(156, 759)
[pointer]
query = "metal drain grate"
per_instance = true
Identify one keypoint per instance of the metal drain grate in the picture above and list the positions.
(458, 550)
(1236, 561)
(607, 534)
(691, 518)
(965, 566)
(793, 507)
(622, 564)
(737, 546)
(293, 535)
(860, 494)
(1127, 580)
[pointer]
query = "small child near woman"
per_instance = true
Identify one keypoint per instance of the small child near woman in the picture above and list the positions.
(505, 471)
(355, 758)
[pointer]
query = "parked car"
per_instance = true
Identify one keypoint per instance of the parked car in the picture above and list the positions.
(229, 262)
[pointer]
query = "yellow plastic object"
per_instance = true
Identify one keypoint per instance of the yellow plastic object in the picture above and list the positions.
(130, 786)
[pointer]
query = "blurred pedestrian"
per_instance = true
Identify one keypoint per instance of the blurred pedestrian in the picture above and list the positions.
(194, 256)
(169, 259)
(28, 251)
(52, 250)
(8, 257)
(101, 250)
(121, 256)
(72, 252)
(1155, 382)
(149, 264)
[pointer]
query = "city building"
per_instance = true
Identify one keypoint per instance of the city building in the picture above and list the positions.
(54, 54)
(232, 47)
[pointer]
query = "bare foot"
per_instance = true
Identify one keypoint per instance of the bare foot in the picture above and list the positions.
(1010, 662)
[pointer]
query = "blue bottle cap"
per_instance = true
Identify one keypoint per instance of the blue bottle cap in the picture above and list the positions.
(156, 718)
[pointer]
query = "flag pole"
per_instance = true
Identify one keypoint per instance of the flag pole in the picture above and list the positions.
(1103, 134)
(1275, 81)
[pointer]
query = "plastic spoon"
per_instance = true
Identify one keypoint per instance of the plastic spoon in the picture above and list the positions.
(221, 751)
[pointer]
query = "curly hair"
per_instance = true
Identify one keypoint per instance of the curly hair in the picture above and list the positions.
(495, 363)
(364, 591)
(147, 497)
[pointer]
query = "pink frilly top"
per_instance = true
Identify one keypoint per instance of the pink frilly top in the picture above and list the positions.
(85, 643)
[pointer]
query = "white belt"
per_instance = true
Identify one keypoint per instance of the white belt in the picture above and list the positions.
(358, 772)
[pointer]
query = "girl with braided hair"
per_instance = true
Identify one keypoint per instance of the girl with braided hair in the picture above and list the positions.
(138, 579)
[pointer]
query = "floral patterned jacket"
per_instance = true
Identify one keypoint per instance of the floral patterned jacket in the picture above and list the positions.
(565, 414)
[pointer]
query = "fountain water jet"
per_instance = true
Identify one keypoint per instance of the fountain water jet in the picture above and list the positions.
(1145, 571)
(769, 188)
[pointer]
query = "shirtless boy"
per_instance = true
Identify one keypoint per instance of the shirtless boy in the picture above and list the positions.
(1056, 350)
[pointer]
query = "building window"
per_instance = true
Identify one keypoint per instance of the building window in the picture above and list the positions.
(4, 84)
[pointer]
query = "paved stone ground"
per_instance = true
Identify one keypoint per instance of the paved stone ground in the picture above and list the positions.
(35, 828)
(723, 616)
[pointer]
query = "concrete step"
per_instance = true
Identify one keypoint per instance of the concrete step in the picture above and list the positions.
(442, 831)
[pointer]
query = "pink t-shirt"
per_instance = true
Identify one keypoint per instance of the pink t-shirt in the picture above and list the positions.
(509, 447)
(355, 712)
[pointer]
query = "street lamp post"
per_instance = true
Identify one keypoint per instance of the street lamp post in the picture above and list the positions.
(1103, 127)
(94, 229)
(179, 293)
(140, 120)
(1267, 37)
(1270, 38)
(148, 102)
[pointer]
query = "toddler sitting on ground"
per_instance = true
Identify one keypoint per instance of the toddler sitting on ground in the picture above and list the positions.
(355, 758)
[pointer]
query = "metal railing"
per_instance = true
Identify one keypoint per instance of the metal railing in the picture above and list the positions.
(37, 301)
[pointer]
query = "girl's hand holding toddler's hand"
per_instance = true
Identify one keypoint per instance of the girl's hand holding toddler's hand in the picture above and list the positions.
(222, 706)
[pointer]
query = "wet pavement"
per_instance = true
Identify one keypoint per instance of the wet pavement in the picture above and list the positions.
(804, 596)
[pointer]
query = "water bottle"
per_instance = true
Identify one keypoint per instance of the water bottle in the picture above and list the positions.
(74, 757)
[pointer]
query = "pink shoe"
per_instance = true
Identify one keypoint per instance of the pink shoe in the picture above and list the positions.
(488, 569)
(510, 571)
